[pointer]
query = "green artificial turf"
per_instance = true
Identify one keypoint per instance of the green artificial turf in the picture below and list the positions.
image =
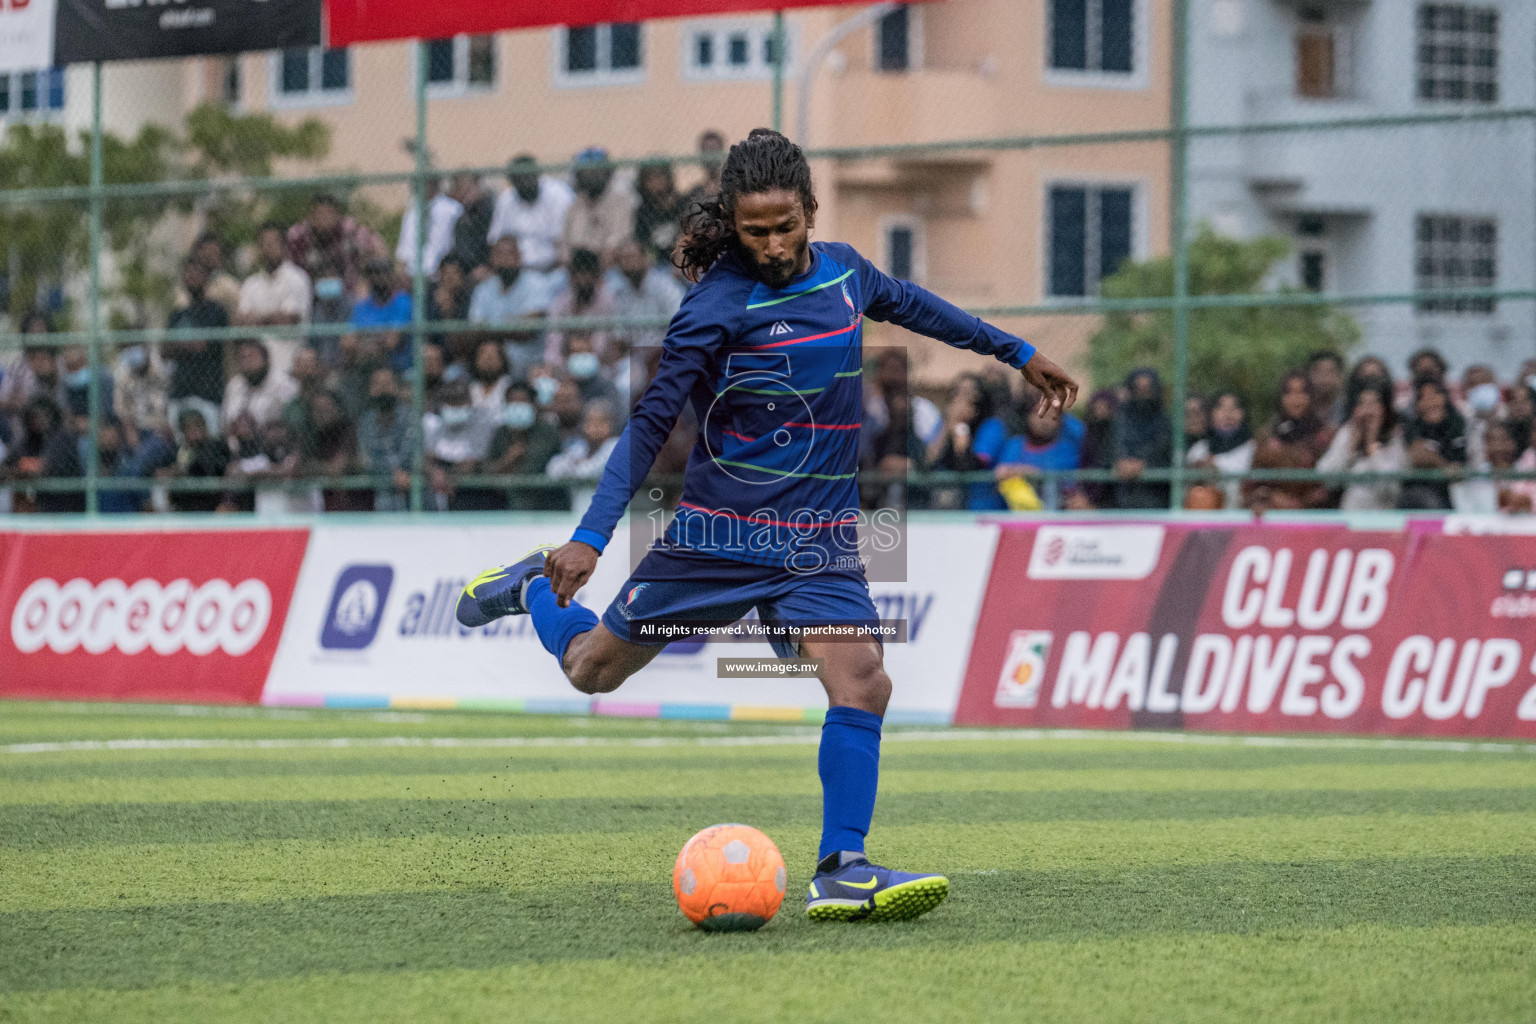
(519, 869)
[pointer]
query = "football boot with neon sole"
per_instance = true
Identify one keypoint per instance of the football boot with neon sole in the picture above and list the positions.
(850, 888)
(501, 591)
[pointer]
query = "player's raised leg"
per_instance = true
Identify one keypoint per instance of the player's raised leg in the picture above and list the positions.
(593, 658)
(847, 887)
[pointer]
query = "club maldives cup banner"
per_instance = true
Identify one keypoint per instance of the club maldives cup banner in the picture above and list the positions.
(1257, 629)
(178, 616)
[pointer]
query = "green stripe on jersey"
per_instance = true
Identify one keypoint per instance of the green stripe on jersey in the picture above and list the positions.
(796, 295)
(786, 473)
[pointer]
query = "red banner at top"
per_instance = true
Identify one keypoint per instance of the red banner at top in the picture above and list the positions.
(365, 21)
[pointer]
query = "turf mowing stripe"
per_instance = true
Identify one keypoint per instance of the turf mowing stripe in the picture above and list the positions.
(95, 876)
(903, 757)
(810, 737)
(236, 942)
(52, 826)
(1362, 973)
(723, 777)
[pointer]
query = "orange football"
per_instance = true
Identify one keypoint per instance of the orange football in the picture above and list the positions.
(729, 878)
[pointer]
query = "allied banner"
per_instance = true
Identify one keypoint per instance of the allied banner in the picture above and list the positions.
(373, 624)
(177, 616)
(92, 30)
(363, 21)
(1257, 629)
(26, 35)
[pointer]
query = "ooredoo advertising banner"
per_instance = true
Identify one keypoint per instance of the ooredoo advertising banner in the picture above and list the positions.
(374, 621)
(180, 616)
(1257, 629)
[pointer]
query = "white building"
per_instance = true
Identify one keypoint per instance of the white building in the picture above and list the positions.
(1381, 211)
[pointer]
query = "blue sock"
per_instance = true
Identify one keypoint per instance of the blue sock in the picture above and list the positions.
(556, 626)
(849, 765)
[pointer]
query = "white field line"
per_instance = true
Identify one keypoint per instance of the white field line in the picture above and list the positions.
(804, 736)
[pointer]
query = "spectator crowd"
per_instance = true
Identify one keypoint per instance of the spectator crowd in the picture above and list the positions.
(274, 419)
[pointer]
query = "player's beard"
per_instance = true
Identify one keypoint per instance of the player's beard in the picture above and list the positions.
(778, 273)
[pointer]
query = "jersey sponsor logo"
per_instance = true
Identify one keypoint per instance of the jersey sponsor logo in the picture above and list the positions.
(357, 607)
(146, 615)
(1095, 552)
(780, 328)
(1018, 686)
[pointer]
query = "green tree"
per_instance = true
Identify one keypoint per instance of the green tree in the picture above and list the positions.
(1242, 349)
(46, 243)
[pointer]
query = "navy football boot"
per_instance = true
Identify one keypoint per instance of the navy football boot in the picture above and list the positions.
(500, 591)
(850, 888)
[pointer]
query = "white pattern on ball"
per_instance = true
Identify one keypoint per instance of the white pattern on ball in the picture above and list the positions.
(688, 883)
(736, 852)
(779, 879)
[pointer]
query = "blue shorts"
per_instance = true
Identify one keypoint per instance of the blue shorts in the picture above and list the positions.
(682, 586)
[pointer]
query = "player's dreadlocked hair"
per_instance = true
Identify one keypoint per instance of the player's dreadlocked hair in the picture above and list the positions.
(764, 162)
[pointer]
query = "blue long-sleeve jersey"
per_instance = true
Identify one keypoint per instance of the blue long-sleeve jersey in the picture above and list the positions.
(774, 378)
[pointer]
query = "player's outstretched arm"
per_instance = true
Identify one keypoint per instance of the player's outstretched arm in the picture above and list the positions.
(921, 311)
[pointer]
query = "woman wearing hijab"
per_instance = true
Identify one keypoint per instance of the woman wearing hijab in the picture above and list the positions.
(1436, 438)
(1370, 442)
(1295, 439)
(1098, 423)
(1142, 439)
(1227, 446)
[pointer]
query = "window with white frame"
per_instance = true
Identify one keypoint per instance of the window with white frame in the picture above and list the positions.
(310, 74)
(600, 54)
(1091, 232)
(1458, 57)
(901, 248)
(32, 93)
(461, 64)
(1456, 252)
(1097, 36)
(730, 50)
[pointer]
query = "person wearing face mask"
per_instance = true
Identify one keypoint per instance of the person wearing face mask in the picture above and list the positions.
(602, 216)
(1436, 438)
(1481, 400)
(328, 243)
(1141, 439)
(639, 289)
(383, 314)
(198, 363)
(532, 211)
(277, 293)
(659, 215)
(471, 230)
(257, 388)
(384, 441)
(457, 438)
(522, 445)
(510, 295)
(584, 367)
(34, 372)
(586, 295)
(140, 398)
(75, 363)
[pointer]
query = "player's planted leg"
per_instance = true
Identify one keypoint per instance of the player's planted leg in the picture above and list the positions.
(847, 887)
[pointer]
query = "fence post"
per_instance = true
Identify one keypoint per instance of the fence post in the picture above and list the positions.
(419, 284)
(1179, 230)
(778, 71)
(92, 459)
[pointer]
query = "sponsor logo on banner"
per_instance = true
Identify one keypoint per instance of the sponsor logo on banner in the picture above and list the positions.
(1095, 552)
(90, 30)
(357, 607)
(1023, 669)
(113, 615)
(185, 616)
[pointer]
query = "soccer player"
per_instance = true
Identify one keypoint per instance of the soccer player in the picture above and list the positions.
(767, 346)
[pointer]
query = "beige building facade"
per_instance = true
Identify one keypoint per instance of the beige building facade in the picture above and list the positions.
(985, 227)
